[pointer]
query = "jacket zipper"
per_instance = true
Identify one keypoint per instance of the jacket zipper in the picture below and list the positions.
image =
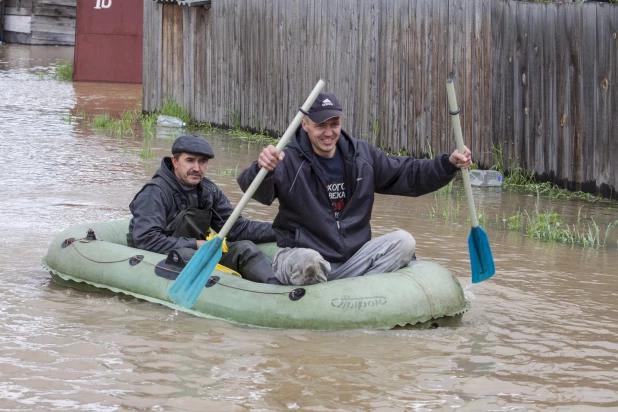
(318, 173)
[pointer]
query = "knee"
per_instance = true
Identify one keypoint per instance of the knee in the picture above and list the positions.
(244, 246)
(406, 242)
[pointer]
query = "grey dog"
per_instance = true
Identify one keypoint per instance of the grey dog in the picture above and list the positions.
(307, 268)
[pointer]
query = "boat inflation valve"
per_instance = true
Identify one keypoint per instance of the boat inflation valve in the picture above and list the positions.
(67, 242)
(90, 235)
(296, 294)
(136, 259)
(213, 280)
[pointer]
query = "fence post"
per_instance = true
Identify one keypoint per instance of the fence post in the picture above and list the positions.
(1, 20)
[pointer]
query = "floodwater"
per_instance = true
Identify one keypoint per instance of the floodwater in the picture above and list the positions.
(542, 334)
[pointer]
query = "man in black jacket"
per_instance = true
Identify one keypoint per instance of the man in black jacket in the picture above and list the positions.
(177, 207)
(325, 185)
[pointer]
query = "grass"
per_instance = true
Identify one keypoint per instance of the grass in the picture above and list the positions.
(257, 125)
(117, 127)
(126, 124)
(68, 118)
(172, 108)
(548, 226)
(517, 179)
(149, 122)
(72, 115)
(515, 222)
(229, 172)
(480, 216)
(63, 70)
(234, 120)
(146, 152)
(376, 132)
(236, 130)
(129, 120)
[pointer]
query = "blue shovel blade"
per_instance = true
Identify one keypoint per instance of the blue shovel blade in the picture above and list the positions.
(191, 281)
(481, 259)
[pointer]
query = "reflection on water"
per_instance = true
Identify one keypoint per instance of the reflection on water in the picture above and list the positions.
(540, 335)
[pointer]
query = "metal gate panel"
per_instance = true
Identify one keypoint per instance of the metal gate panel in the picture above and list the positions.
(108, 41)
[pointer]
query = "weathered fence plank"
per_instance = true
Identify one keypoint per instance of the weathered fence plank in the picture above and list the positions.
(512, 76)
(487, 90)
(2, 5)
(603, 33)
(440, 139)
(589, 93)
(612, 181)
(550, 109)
(467, 95)
(520, 86)
(188, 50)
(536, 82)
(499, 67)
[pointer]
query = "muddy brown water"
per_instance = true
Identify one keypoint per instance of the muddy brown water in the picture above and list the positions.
(541, 334)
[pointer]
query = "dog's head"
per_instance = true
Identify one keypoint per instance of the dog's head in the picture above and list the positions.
(310, 273)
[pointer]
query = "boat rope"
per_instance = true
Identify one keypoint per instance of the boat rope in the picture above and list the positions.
(254, 291)
(140, 258)
(84, 240)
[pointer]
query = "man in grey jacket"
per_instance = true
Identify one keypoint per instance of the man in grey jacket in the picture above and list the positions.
(325, 181)
(175, 210)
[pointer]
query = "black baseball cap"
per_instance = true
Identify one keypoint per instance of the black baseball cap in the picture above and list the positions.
(326, 106)
(194, 144)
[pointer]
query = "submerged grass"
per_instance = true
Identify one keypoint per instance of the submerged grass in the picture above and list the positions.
(172, 108)
(117, 127)
(63, 70)
(128, 121)
(149, 122)
(229, 172)
(549, 226)
(146, 151)
(74, 115)
(517, 179)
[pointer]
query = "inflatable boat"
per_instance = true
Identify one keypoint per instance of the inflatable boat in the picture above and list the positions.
(96, 256)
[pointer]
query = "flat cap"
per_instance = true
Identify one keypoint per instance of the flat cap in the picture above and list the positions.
(190, 143)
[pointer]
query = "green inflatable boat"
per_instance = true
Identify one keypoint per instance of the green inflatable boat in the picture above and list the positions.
(96, 255)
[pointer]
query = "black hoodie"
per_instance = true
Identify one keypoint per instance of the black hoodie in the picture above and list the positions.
(306, 218)
(156, 205)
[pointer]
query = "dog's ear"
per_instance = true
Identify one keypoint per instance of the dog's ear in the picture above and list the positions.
(325, 270)
(312, 275)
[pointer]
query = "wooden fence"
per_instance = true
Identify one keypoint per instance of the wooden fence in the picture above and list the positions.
(1, 20)
(40, 22)
(538, 81)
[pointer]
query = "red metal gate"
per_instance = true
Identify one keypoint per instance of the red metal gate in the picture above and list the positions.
(108, 41)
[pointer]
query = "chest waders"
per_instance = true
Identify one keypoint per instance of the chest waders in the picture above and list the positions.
(243, 256)
(191, 223)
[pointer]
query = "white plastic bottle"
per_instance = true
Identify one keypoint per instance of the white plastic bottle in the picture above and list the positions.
(170, 121)
(486, 178)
